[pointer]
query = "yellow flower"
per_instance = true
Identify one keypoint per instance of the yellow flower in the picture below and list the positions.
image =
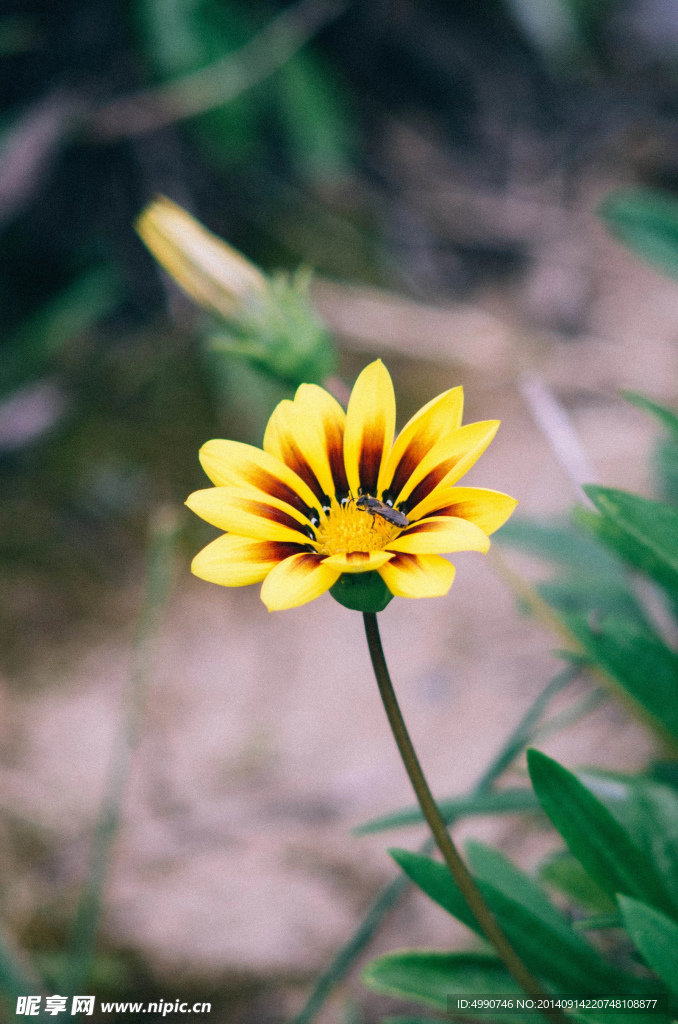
(291, 511)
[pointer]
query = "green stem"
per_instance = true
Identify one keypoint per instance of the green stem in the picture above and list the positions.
(458, 869)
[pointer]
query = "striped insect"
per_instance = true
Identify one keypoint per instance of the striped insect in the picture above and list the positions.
(378, 508)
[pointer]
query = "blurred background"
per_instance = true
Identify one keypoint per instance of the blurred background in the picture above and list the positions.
(439, 166)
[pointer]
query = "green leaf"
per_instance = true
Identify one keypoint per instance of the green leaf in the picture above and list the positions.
(666, 416)
(589, 578)
(555, 953)
(430, 977)
(656, 936)
(644, 533)
(565, 873)
(646, 220)
(500, 801)
(665, 456)
(592, 834)
(493, 867)
(645, 668)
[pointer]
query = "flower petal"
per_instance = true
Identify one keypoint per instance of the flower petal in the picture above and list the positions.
(245, 513)
(213, 273)
(308, 435)
(446, 462)
(297, 580)
(370, 425)
(486, 508)
(439, 536)
(238, 561)
(438, 418)
(358, 561)
(418, 575)
(234, 464)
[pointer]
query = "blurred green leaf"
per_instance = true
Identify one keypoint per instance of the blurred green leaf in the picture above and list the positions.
(183, 36)
(666, 452)
(589, 577)
(492, 866)
(430, 977)
(656, 936)
(16, 977)
(642, 532)
(666, 417)
(555, 953)
(30, 350)
(566, 874)
(593, 835)
(639, 661)
(646, 220)
(314, 121)
(500, 801)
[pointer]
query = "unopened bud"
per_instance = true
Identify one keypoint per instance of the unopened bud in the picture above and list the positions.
(213, 273)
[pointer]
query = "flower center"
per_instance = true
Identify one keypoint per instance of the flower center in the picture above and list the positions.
(347, 528)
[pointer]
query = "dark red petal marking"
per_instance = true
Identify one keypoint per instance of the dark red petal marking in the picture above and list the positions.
(270, 512)
(419, 446)
(431, 480)
(307, 561)
(270, 484)
(293, 457)
(357, 557)
(334, 443)
(461, 510)
(372, 449)
(275, 550)
(420, 527)
(403, 560)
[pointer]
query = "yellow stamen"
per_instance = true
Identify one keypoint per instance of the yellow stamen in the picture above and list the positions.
(347, 528)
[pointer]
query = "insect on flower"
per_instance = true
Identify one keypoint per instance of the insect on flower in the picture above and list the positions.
(379, 508)
(294, 513)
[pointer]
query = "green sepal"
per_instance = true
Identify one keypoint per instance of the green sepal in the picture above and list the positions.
(361, 591)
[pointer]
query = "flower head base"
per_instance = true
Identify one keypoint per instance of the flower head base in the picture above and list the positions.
(292, 511)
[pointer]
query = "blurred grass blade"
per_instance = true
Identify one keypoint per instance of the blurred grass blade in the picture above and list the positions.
(502, 801)
(645, 220)
(656, 936)
(160, 564)
(592, 834)
(16, 976)
(390, 895)
(430, 977)
(30, 350)
(552, 952)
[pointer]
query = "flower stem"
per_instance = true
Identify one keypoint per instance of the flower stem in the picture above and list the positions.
(458, 869)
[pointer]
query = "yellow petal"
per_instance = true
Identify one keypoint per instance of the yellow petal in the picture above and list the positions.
(486, 508)
(418, 575)
(447, 461)
(296, 581)
(440, 536)
(213, 273)
(244, 513)
(307, 436)
(238, 561)
(370, 425)
(233, 464)
(438, 418)
(358, 561)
